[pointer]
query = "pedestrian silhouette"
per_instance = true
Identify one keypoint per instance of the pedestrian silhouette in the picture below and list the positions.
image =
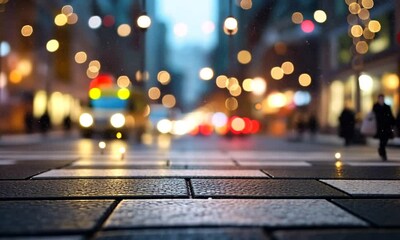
(385, 124)
(44, 123)
(347, 122)
(312, 126)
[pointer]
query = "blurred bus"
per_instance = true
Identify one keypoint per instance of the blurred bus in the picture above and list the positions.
(113, 111)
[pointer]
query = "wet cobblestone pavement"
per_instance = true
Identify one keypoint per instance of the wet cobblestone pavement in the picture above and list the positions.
(197, 194)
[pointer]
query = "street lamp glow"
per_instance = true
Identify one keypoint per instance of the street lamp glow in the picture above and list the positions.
(230, 25)
(144, 21)
(4, 49)
(206, 73)
(259, 86)
(52, 45)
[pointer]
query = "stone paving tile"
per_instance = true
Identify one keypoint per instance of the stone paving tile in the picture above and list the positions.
(83, 188)
(202, 163)
(381, 212)
(273, 163)
(20, 171)
(186, 234)
(262, 188)
(367, 187)
(337, 234)
(45, 238)
(229, 212)
(51, 217)
(119, 163)
(150, 173)
(331, 172)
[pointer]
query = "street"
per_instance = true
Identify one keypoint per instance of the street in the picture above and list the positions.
(255, 187)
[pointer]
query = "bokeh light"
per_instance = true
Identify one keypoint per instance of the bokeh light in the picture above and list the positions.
(206, 73)
(123, 81)
(277, 73)
(52, 45)
(168, 101)
(164, 77)
(297, 18)
(61, 19)
(287, 67)
(320, 16)
(144, 21)
(307, 26)
(94, 22)
(244, 57)
(304, 80)
(80, 57)
(259, 86)
(27, 30)
(154, 93)
(124, 30)
(180, 29)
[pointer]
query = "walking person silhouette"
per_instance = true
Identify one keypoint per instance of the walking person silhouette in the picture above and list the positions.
(385, 125)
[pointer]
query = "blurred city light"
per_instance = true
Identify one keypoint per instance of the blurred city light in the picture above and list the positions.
(307, 26)
(320, 16)
(164, 77)
(206, 73)
(180, 29)
(52, 45)
(164, 126)
(230, 26)
(124, 30)
(123, 81)
(123, 93)
(305, 80)
(246, 4)
(26, 30)
(144, 21)
(287, 67)
(277, 73)
(259, 86)
(366, 82)
(244, 57)
(60, 19)
(208, 27)
(4, 48)
(391, 81)
(277, 100)
(297, 18)
(94, 22)
(168, 101)
(80, 57)
(301, 98)
(154, 93)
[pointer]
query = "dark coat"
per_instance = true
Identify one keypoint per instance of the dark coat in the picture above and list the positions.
(347, 121)
(384, 121)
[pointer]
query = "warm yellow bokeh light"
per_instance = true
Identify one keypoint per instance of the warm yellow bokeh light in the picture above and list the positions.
(91, 75)
(222, 81)
(259, 86)
(27, 30)
(287, 68)
(364, 14)
(24, 67)
(123, 81)
(354, 8)
(67, 10)
(277, 73)
(244, 57)
(231, 104)
(368, 4)
(94, 66)
(52, 45)
(168, 101)
(164, 77)
(61, 19)
(362, 47)
(154, 93)
(297, 18)
(206, 73)
(247, 85)
(238, 124)
(391, 81)
(305, 80)
(123, 93)
(15, 76)
(246, 4)
(356, 31)
(320, 16)
(374, 26)
(276, 100)
(73, 18)
(124, 30)
(94, 93)
(80, 57)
